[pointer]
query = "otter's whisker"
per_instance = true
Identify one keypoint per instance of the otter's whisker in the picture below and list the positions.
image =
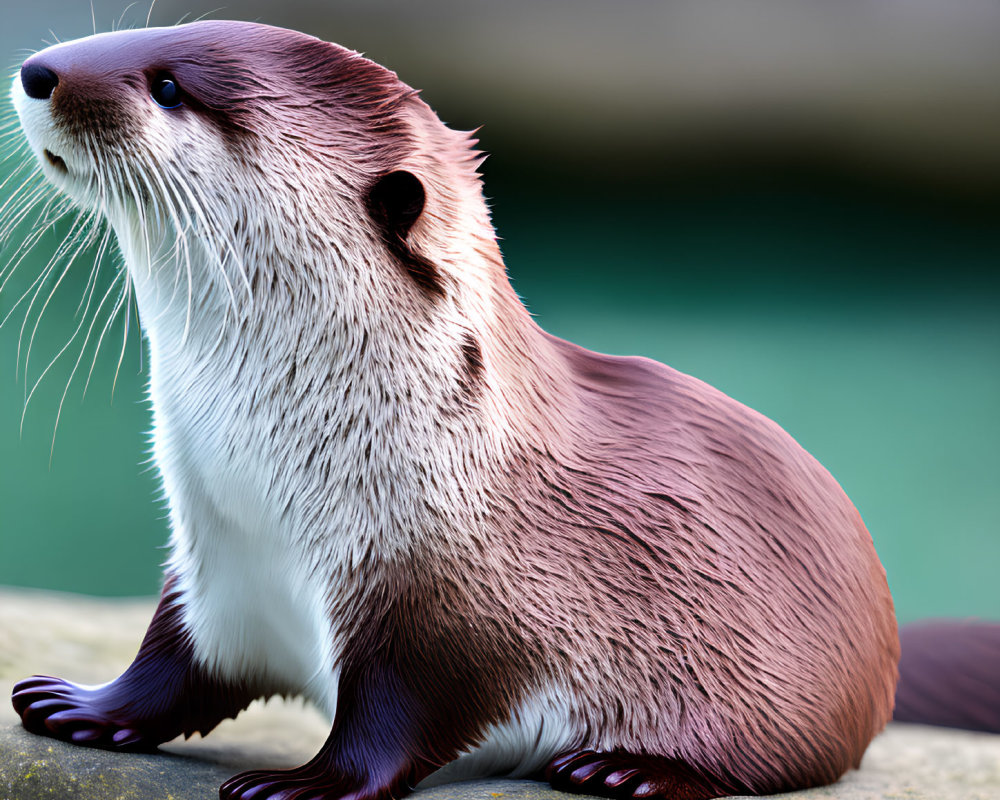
(181, 245)
(167, 217)
(54, 209)
(140, 208)
(168, 221)
(85, 236)
(121, 19)
(119, 303)
(62, 399)
(38, 280)
(19, 256)
(212, 247)
(223, 248)
(143, 191)
(15, 196)
(94, 270)
(125, 332)
(207, 227)
(65, 347)
(102, 250)
(14, 149)
(88, 297)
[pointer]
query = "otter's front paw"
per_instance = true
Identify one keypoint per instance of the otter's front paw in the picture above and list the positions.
(63, 710)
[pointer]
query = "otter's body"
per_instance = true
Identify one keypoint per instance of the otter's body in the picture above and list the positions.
(478, 548)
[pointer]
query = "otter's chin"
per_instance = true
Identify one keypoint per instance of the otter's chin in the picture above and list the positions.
(79, 185)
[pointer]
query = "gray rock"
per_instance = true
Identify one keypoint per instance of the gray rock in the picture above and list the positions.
(32, 768)
(91, 640)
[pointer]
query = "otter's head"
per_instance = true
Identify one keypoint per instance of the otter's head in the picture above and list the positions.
(257, 165)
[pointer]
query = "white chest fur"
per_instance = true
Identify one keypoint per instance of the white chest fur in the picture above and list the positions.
(256, 603)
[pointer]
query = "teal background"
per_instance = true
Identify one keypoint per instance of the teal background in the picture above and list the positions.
(857, 307)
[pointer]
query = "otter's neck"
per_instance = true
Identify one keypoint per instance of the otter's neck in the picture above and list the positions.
(340, 404)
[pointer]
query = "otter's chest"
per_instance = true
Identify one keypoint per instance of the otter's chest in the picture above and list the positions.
(256, 585)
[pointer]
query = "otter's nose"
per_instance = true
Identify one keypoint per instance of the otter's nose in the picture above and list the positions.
(38, 81)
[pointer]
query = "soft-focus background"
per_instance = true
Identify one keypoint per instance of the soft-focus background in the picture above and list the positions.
(795, 201)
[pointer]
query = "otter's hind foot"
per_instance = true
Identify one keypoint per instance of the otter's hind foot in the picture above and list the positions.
(624, 776)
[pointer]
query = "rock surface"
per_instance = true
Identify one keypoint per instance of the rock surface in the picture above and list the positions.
(91, 640)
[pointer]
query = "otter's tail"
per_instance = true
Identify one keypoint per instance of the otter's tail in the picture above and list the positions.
(949, 674)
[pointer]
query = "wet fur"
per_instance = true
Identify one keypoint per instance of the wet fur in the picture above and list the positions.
(392, 492)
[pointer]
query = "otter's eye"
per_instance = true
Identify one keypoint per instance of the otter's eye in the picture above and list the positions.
(165, 91)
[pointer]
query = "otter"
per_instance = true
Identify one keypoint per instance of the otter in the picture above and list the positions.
(478, 548)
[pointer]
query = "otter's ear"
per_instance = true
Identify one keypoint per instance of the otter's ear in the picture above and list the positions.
(395, 202)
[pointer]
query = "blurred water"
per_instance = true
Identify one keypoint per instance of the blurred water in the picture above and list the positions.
(868, 329)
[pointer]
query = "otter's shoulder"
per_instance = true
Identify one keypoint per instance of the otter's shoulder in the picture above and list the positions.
(649, 387)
